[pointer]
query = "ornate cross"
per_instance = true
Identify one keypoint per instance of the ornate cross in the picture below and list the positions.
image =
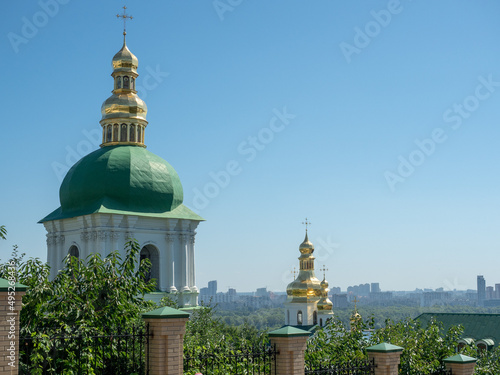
(324, 269)
(294, 272)
(306, 223)
(124, 16)
(355, 300)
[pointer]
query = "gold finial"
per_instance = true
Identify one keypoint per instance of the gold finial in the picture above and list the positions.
(324, 269)
(306, 223)
(124, 16)
(294, 272)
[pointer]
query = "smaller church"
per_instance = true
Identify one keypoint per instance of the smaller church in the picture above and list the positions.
(307, 303)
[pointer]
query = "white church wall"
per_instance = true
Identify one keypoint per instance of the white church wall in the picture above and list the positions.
(171, 243)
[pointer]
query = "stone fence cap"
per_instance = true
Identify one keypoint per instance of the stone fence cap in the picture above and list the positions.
(289, 331)
(384, 348)
(460, 358)
(5, 285)
(165, 313)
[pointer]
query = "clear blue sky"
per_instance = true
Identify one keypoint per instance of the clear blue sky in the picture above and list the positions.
(357, 85)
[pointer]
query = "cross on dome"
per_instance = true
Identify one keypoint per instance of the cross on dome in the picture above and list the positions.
(324, 270)
(124, 16)
(306, 223)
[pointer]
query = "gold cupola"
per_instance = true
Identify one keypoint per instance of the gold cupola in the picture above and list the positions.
(306, 287)
(324, 304)
(124, 113)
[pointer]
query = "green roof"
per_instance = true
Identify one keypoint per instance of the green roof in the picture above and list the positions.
(5, 284)
(476, 326)
(125, 180)
(384, 347)
(165, 313)
(289, 331)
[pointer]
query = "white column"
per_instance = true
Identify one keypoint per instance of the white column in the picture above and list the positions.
(60, 250)
(102, 236)
(84, 251)
(183, 263)
(52, 254)
(191, 268)
(168, 264)
(113, 236)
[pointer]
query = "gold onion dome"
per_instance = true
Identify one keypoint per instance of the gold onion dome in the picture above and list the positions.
(324, 284)
(124, 60)
(306, 286)
(306, 247)
(324, 303)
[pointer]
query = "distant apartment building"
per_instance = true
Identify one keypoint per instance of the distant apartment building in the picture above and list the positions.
(335, 290)
(435, 298)
(339, 301)
(481, 290)
(212, 287)
(362, 290)
(375, 288)
(490, 292)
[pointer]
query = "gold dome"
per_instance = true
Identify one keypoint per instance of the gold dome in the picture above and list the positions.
(306, 286)
(324, 284)
(306, 247)
(124, 105)
(124, 60)
(124, 113)
(324, 303)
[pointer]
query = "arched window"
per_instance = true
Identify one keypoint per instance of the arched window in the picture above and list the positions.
(108, 133)
(132, 83)
(299, 317)
(123, 133)
(132, 133)
(482, 347)
(115, 133)
(321, 322)
(118, 82)
(150, 252)
(126, 83)
(74, 252)
(315, 317)
(287, 316)
(139, 133)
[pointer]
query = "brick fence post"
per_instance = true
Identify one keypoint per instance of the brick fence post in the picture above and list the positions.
(386, 357)
(10, 306)
(166, 342)
(291, 345)
(460, 364)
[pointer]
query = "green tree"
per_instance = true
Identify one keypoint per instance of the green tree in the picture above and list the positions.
(92, 297)
(424, 348)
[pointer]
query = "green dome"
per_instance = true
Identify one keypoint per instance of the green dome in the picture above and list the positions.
(124, 178)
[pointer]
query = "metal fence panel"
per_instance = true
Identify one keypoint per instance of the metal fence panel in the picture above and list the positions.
(123, 352)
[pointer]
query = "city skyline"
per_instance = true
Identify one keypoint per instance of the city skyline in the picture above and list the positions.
(377, 121)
